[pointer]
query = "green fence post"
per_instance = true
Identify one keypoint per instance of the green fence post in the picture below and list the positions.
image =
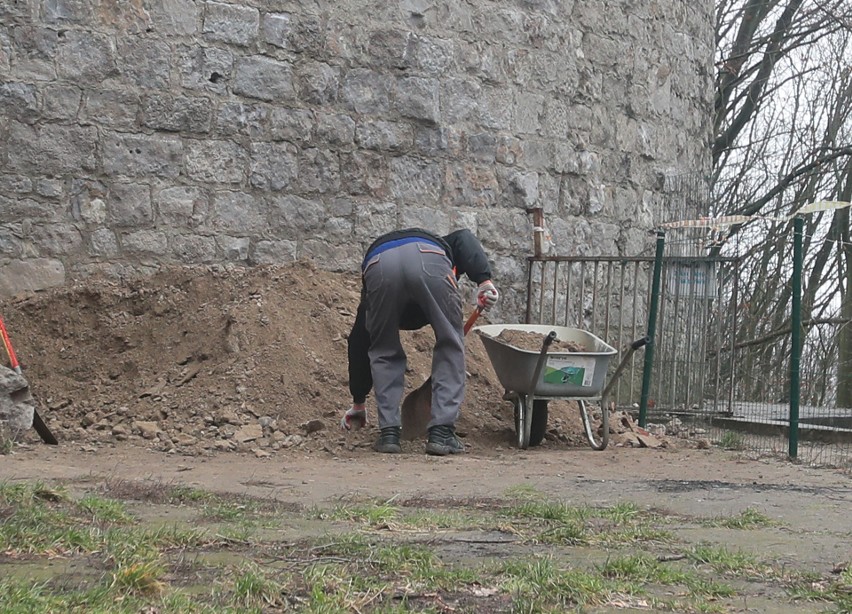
(652, 329)
(796, 336)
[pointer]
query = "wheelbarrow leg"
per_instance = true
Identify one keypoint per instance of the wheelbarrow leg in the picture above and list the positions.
(589, 426)
(588, 422)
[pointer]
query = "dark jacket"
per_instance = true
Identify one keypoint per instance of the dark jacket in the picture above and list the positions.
(468, 258)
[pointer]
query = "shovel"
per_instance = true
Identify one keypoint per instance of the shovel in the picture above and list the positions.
(416, 410)
(25, 395)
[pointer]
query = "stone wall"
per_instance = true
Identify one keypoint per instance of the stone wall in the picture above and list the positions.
(141, 132)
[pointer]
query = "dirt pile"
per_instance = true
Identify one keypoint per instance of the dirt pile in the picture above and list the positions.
(196, 360)
(203, 359)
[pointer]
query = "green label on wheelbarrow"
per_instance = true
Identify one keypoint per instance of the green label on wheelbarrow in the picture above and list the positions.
(575, 371)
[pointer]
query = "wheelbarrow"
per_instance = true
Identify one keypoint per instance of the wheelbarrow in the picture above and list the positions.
(532, 379)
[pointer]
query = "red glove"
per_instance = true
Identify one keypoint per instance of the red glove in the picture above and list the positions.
(354, 418)
(487, 295)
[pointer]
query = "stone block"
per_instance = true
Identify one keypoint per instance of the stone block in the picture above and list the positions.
(374, 218)
(61, 101)
(482, 146)
(384, 135)
(432, 56)
(133, 155)
(460, 100)
(230, 23)
(64, 12)
(528, 111)
(234, 249)
(129, 205)
(307, 35)
(364, 173)
(144, 62)
(88, 201)
(145, 243)
(237, 212)
(413, 180)
(390, 49)
(205, 68)
(274, 166)
(276, 29)
(467, 185)
(11, 240)
(103, 243)
(216, 161)
(287, 124)
(522, 190)
(50, 188)
(34, 50)
(177, 113)
(319, 171)
(51, 148)
(173, 17)
(242, 118)
(417, 98)
(21, 209)
(15, 184)
(365, 91)
(111, 108)
(318, 83)
(297, 214)
(495, 109)
(19, 101)
(30, 275)
(263, 78)
(182, 206)
(56, 239)
(425, 217)
(16, 404)
(193, 249)
(274, 252)
(85, 57)
(335, 129)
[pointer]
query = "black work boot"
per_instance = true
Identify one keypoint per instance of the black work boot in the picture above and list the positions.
(443, 441)
(388, 441)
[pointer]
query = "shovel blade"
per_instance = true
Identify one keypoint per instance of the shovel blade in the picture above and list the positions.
(416, 412)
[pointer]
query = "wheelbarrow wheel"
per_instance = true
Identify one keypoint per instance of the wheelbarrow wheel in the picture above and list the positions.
(590, 414)
(537, 419)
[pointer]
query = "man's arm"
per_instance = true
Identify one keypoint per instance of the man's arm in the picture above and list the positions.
(468, 256)
(360, 376)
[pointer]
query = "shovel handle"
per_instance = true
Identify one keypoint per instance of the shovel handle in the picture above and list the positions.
(472, 319)
(7, 343)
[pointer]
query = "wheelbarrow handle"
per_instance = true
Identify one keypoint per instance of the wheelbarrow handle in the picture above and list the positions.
(635, 345)
(640, 343)
(542, 357)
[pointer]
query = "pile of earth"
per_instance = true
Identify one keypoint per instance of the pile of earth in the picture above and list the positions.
(195, 360)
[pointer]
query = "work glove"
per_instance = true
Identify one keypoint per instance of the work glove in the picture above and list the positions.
(487, 295)
(354, 418)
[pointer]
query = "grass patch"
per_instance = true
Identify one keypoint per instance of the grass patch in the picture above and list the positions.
(732, 440)
(749, 518)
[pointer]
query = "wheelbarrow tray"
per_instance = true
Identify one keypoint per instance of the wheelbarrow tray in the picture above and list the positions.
(565, 374)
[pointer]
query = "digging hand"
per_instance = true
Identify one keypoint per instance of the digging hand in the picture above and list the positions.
(354, 418)
(487, 295)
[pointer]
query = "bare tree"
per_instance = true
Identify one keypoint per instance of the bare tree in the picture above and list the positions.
(783, 139)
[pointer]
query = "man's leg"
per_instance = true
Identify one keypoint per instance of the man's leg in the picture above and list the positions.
(384, 283)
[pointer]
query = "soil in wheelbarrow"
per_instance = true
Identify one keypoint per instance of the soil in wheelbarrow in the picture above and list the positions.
(532, 341)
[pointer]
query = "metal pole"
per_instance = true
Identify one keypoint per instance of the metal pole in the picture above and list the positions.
(652, 328)
(796, 337)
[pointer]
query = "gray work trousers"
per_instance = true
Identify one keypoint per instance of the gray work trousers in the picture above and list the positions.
(420, 274)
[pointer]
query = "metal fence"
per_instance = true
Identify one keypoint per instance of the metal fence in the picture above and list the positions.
(709, 378)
